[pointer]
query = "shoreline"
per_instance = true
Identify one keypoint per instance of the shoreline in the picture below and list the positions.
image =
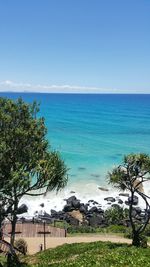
(85, 193)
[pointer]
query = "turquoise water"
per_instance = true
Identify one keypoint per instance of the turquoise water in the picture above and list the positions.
(93, 132)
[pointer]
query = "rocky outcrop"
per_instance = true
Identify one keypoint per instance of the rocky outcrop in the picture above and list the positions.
(77, 215)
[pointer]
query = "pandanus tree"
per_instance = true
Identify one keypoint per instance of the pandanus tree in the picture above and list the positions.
(131, 176)
(27, 164)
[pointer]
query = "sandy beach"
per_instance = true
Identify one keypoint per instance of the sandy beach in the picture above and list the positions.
(52, 242)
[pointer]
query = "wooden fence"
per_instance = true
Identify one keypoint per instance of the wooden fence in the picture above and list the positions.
(35, 230)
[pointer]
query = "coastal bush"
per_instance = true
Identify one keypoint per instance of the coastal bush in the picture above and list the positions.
(130, 176)
(115, 229)
(82, 229)
(89, 229)
(116, 215)
(27, 164)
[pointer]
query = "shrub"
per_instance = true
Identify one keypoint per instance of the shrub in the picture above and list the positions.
(116, 229)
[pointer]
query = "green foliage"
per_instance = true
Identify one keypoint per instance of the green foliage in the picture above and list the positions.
(134, 165)
(116, 229)
(116, 214)
(26, 163)
(128, 233)
(83, 229)
(24, 153)
(96, 230)
(130, 176)
(91, 254)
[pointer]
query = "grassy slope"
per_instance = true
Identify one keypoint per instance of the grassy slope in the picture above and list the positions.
(103, 254)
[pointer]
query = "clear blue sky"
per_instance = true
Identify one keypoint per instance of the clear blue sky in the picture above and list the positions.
(85, 43)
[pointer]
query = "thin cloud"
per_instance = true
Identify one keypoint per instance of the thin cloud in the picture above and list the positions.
(28, 87)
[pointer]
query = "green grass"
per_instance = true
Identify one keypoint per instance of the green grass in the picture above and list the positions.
(104, 254)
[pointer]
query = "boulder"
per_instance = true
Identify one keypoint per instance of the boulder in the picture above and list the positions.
(22, 209)
(67, 208)
(100, 211)
(120, 201)
(53, 213)
(76, 214)
(110, 199)
(74, 221)
(103, 189)
(93, 209)
(76, 203)
(95, 203)
(91, 200)
(71, 199)
(83, 209)
(135, 200)
(95, 220)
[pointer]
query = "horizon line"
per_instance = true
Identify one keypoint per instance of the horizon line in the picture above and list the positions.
(22, 87)
(78, 93)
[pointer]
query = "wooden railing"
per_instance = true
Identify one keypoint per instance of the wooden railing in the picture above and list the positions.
(35, 230)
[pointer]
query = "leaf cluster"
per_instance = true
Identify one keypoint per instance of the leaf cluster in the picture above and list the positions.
(26, 162)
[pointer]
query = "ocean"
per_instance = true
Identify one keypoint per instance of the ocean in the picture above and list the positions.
(93, 132)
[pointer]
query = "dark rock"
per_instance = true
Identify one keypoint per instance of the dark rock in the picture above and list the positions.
(103, 189)
(83, 209)
(135, 201)
(67, 208)
(42, 205)
(73, 221)
(120, 201)
(110, 199)
(76, 204)
(22, 209)
(89, 215)
(53, 212)
(93, 209)
(138, 210)
(72, 192)
(95, 220)
(91, 200)
(71, 199)
(100, 211)
(95, 203)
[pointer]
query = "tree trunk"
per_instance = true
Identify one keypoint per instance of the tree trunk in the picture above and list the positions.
(13, 222)
(136, 241)
(13, 229)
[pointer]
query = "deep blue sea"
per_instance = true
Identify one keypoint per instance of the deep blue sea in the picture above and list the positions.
(93, 132)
